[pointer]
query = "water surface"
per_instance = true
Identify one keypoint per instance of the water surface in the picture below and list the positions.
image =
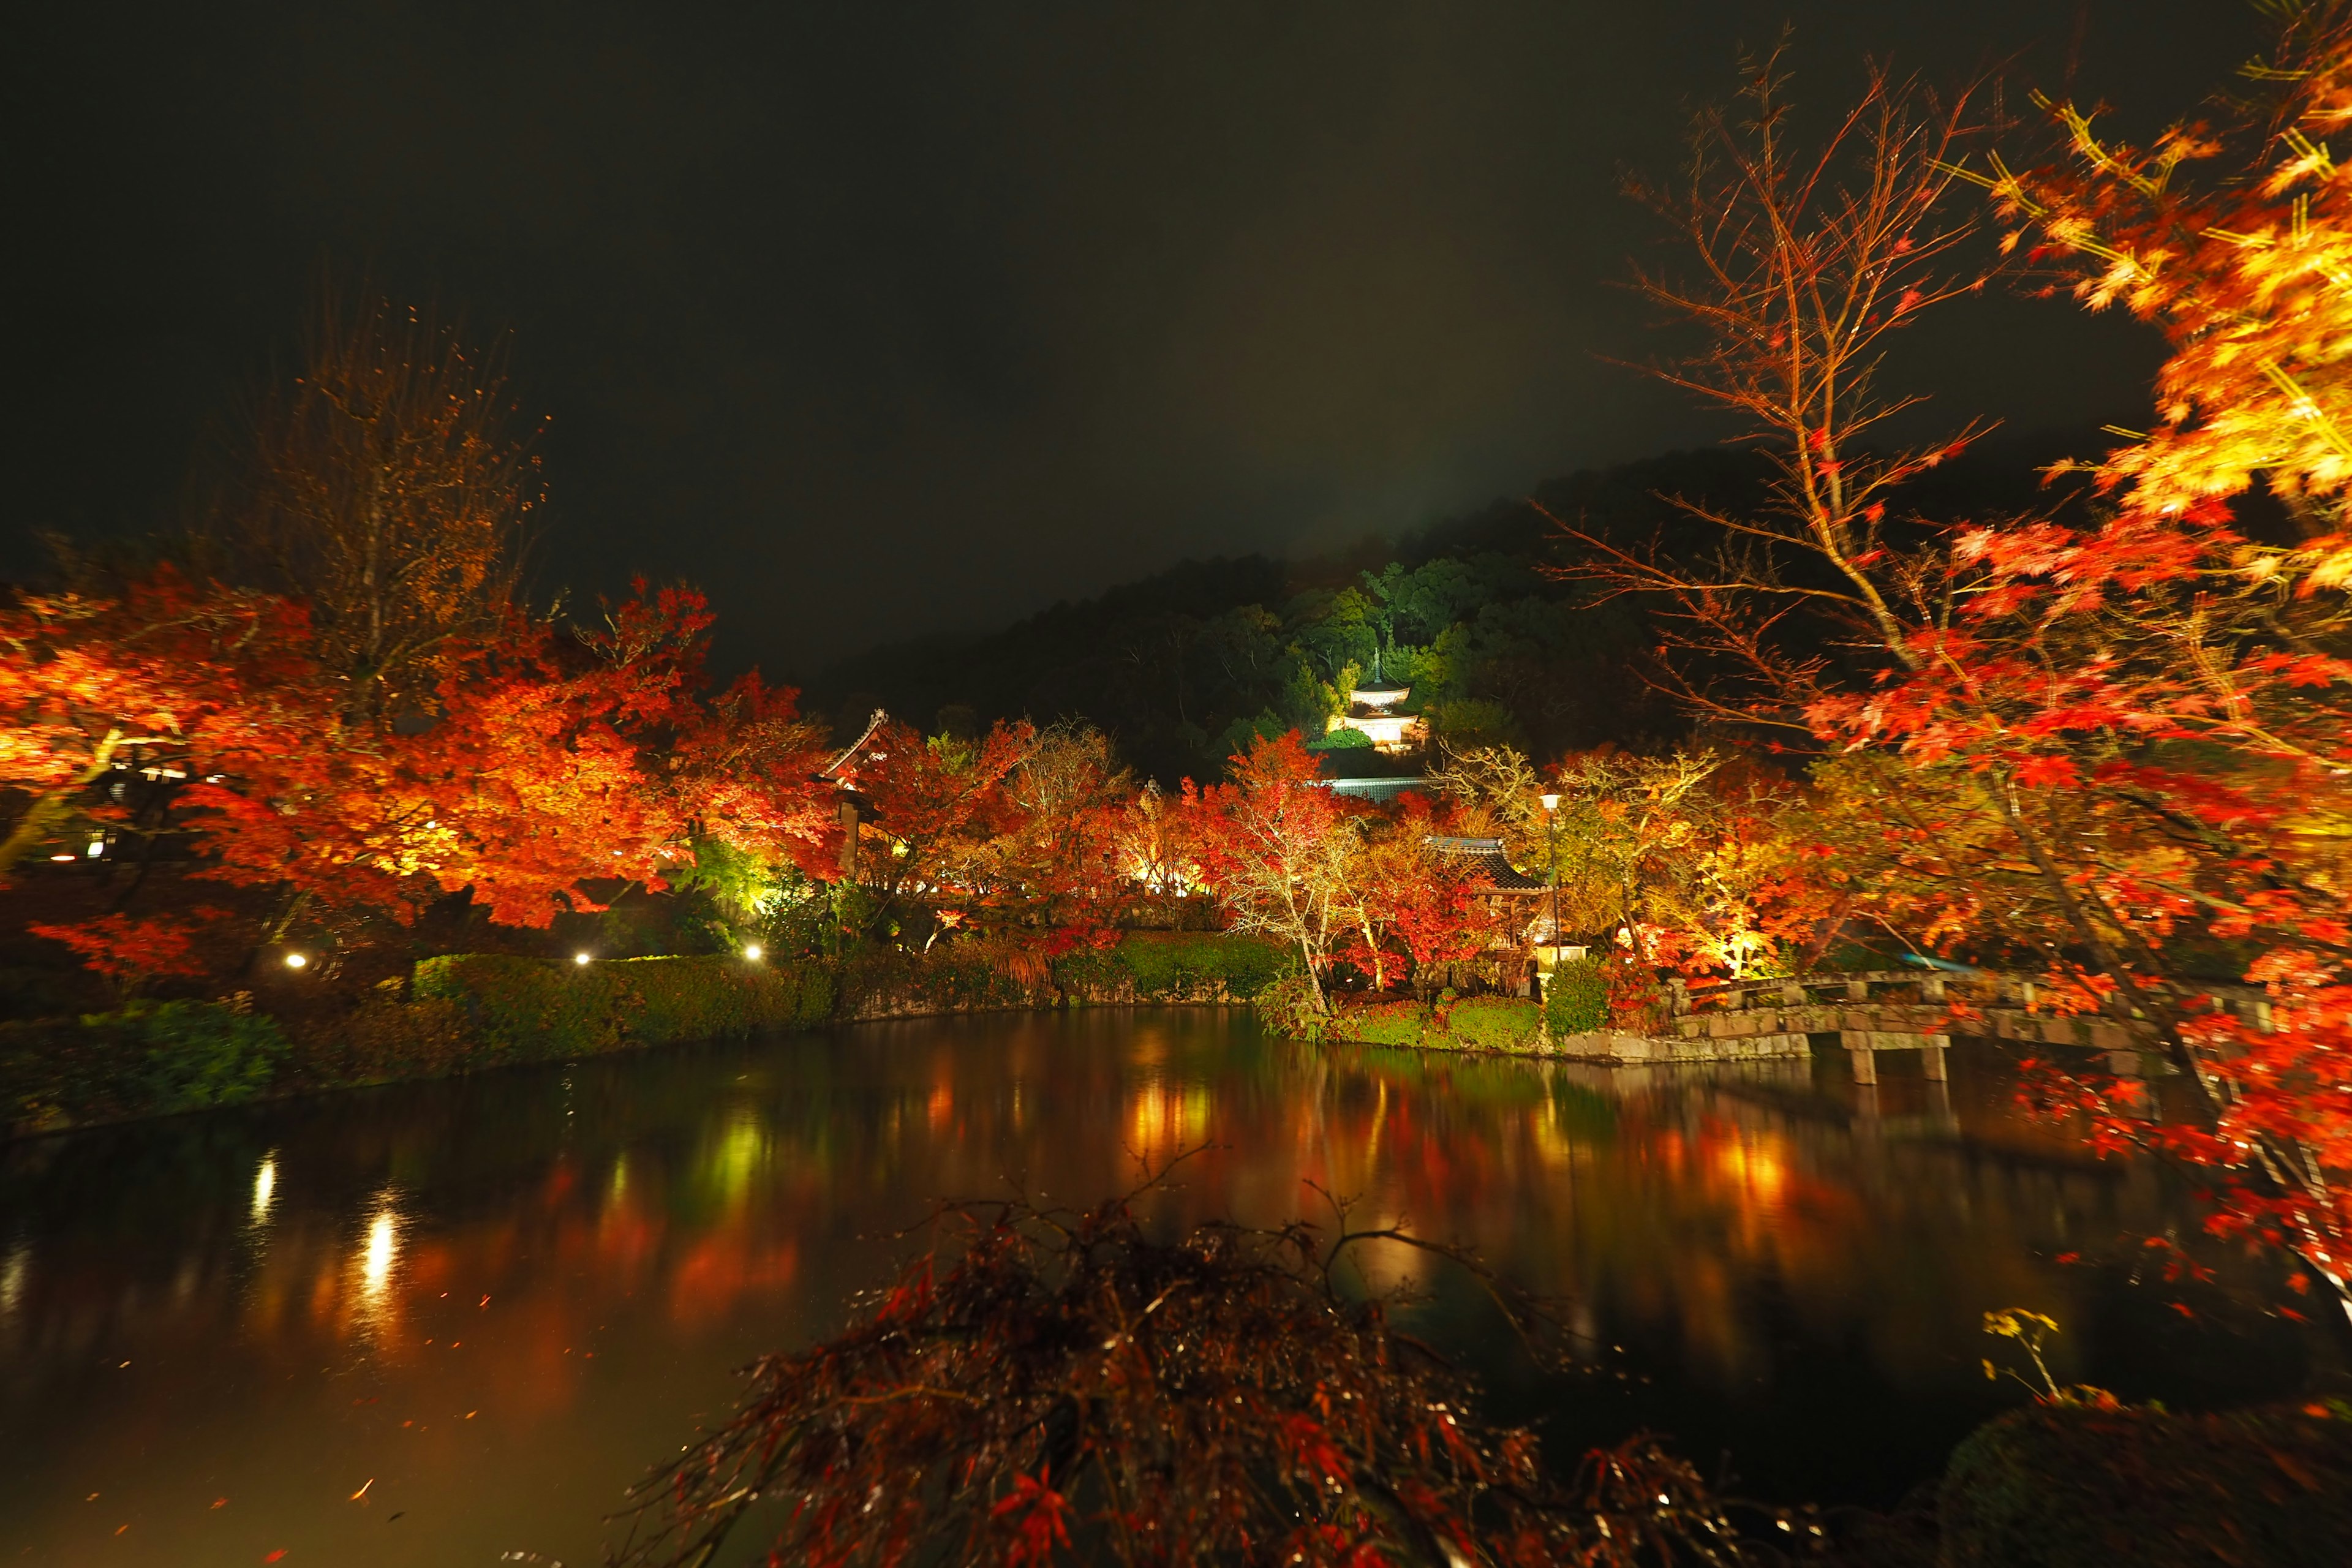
(446, 1324)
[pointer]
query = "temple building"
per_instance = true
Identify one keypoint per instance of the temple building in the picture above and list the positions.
(1378, 711)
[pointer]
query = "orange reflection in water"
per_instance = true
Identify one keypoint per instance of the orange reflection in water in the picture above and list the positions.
(503, 1300)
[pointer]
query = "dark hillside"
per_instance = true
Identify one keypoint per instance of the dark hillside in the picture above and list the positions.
(1183, 667)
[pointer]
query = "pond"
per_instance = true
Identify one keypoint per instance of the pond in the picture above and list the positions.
(446, 1324)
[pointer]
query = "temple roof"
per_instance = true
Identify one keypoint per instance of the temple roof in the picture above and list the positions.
(1486, 863)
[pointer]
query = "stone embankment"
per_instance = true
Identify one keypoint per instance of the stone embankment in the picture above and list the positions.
(1870, 1012)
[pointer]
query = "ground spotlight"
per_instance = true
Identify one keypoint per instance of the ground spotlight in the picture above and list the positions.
(579, 958)
(752, 949)
(298, 960)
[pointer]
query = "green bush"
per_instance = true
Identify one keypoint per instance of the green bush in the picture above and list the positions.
(195, 1053)
(1289, 1006)
(148, 1058)
(1494, 1024)
(1576, 998)
(527, 1009)
(2071, 1486)
(1184, 966)
(1383, 1024)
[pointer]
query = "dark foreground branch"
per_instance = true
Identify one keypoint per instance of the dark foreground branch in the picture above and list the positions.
(1071, 1389)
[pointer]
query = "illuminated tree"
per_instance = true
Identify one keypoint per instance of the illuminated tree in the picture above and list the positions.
(2236, 240)
(932, 811)
(1279, 851)
(1056, 863)
(2114, 749)
(189, 679)
(1408, 904)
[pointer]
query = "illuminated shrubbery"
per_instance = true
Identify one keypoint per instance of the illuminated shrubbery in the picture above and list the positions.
(528, 1009)
(148, 1058)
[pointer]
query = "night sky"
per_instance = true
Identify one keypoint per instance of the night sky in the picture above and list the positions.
(875, 318)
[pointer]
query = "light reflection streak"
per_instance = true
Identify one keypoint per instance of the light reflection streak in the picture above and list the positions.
(12, 1277)
(265, 1187)
(374, 1305)
(375, 1262)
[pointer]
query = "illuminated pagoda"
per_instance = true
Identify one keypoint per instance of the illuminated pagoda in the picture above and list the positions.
(1373, 749)
(1376, 711)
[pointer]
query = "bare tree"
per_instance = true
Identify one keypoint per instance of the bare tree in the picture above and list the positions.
(1798, 260)
(386, 486)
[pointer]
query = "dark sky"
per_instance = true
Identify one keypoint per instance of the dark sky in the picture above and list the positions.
(873, 318)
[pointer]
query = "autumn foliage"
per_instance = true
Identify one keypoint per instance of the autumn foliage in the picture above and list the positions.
(2106, 747)
(1052, 1385)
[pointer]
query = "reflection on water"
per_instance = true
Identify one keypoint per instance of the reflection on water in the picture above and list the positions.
(438, 1324)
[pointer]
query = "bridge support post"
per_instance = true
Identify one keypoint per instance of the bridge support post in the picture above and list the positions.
(1931, 1058)
(1858, 1052)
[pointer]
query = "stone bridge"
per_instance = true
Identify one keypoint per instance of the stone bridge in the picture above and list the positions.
(1872, 1011)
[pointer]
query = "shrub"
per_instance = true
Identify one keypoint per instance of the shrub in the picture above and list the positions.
(1179, 966)
(1576, 998)
(1224, 1396)
(527, 1009)
(1494, 1024)
(2053, 1485)
(1289, 1006)
(1383, 1023)
(190, 1055)
(148, 1058)
(385, 1039)
(951, 977)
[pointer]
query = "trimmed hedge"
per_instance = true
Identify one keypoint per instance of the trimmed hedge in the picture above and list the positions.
(527, 1009)
(146, 1058)
(1176, 966)
(2071, 1486)
(954, 977)
(1143, 966)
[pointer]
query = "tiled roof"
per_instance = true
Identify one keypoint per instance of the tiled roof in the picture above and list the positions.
(1487, 863)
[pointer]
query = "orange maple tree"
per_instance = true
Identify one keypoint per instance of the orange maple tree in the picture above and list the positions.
(2112, 750)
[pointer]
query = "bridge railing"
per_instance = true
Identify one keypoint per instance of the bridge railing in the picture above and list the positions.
(1983, 991)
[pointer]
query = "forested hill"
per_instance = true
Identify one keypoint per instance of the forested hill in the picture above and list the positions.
(1183, 667)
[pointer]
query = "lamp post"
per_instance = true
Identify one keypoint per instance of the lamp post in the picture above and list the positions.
(1551, 853)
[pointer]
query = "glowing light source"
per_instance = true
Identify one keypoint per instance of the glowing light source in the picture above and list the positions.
(1551, 803)
(579, 958)
(61, 858)
(97, 848)
(298, 961)
(265, 1186)
(752, 949)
